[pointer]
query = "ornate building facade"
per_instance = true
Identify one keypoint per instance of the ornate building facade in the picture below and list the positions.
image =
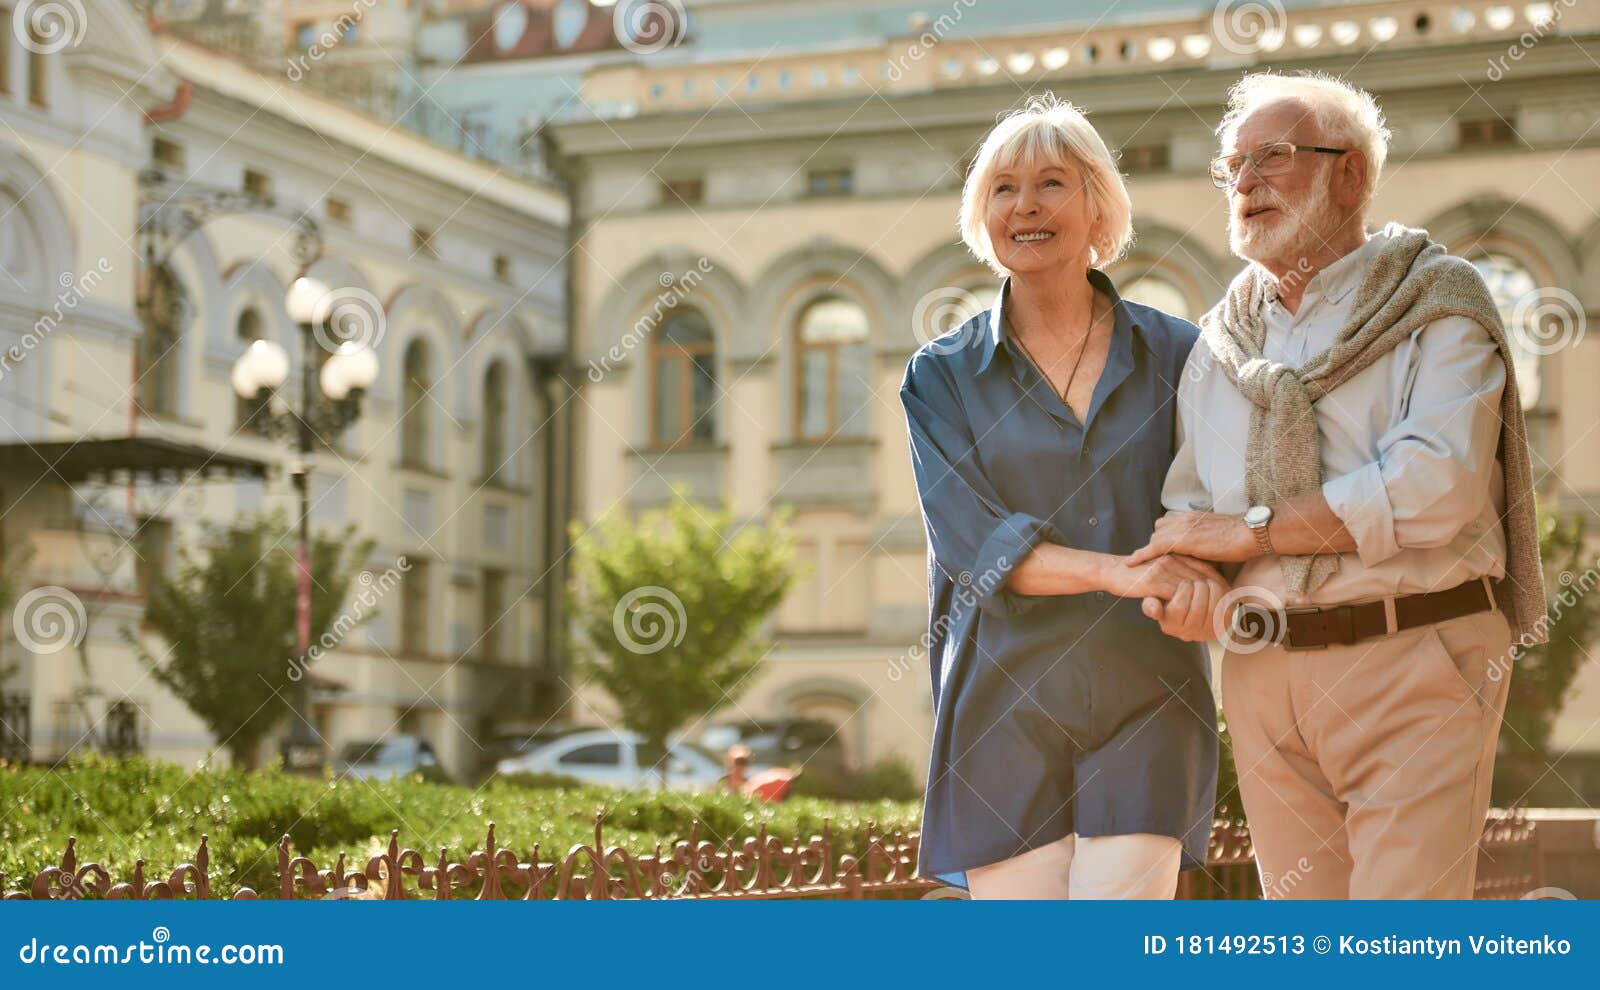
(157, 196)
(763, 239)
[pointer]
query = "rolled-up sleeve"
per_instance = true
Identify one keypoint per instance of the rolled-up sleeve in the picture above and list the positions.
(1435, 465)
(976, 541)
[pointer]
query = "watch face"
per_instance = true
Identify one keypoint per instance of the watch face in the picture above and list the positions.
(1257, 515)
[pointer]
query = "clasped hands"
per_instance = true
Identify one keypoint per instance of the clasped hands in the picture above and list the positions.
(1175, 573)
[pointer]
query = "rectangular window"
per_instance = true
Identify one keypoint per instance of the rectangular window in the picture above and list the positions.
(259, 185)
(154, 545)
(494, 621)
(422, 242)
(36, 71)
(477, 132)
(1484, 133)
(5, 52)
(682, 192)
(336, 210)
(414, 608)
(830, 182)
(1145, 158)
(168, 155)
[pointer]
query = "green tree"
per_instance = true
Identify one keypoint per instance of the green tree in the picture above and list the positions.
(226, 617)
(667, 611)
(1542, 676)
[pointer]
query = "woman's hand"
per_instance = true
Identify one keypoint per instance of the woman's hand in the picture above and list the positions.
(1179, 592)
(1159, 578)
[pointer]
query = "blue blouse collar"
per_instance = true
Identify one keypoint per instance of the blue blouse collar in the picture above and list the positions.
(1125, 326)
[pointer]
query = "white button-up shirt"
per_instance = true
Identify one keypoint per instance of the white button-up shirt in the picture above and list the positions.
(1409, 447)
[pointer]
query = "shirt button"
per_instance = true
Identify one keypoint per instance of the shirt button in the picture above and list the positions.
(1093, 521)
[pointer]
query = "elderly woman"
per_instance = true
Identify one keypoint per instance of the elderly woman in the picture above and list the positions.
(1075, 743)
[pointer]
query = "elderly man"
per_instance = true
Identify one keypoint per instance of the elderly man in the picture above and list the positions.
(1353, 443)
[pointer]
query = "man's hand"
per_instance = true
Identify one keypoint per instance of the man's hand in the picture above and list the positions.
(1206, 535)
(1191, 614)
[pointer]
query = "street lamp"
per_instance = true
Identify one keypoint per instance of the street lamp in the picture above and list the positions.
(330, 400)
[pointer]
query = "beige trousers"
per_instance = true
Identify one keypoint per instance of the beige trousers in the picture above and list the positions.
(1105, 867)
(1365, 769)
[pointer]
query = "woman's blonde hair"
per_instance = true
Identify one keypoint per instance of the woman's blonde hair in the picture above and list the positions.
(1049, 131)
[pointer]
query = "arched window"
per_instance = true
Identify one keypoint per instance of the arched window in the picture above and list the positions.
(162, 312)
(1510, 282)
(1158, 292)
(249, 414)
(683, 380)
(833, 367)
(414, 405)
(494, 421)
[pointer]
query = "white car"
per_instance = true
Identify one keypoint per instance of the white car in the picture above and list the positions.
(610, 758)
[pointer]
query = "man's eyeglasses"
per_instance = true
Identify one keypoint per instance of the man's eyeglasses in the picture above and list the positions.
(1269, 159)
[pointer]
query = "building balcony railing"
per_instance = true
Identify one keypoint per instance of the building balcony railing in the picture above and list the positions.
(1235, 34)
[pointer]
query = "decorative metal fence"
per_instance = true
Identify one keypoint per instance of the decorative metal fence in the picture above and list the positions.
(761, 866)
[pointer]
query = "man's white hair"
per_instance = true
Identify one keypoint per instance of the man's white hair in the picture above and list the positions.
(1346, 116)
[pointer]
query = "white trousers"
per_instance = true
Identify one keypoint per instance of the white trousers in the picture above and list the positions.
(1106, 867)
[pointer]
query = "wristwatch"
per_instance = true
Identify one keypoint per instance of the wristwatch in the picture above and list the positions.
(1257, 517)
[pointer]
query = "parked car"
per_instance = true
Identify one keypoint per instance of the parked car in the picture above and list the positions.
(504, 745)
(610, 758)
(392, 756)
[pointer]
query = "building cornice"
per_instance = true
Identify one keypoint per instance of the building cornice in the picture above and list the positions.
(645, 119)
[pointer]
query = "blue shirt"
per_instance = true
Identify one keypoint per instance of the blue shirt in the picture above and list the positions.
(1066, 713)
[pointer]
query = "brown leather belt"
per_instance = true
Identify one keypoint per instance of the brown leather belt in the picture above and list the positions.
(1342, 625)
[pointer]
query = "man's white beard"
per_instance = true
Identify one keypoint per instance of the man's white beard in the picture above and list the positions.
(1296, 233)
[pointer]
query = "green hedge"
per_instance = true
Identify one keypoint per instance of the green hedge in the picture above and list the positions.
(121, 811)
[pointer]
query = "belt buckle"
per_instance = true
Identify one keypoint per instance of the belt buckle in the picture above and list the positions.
(1342, 618)
(1288, 636)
